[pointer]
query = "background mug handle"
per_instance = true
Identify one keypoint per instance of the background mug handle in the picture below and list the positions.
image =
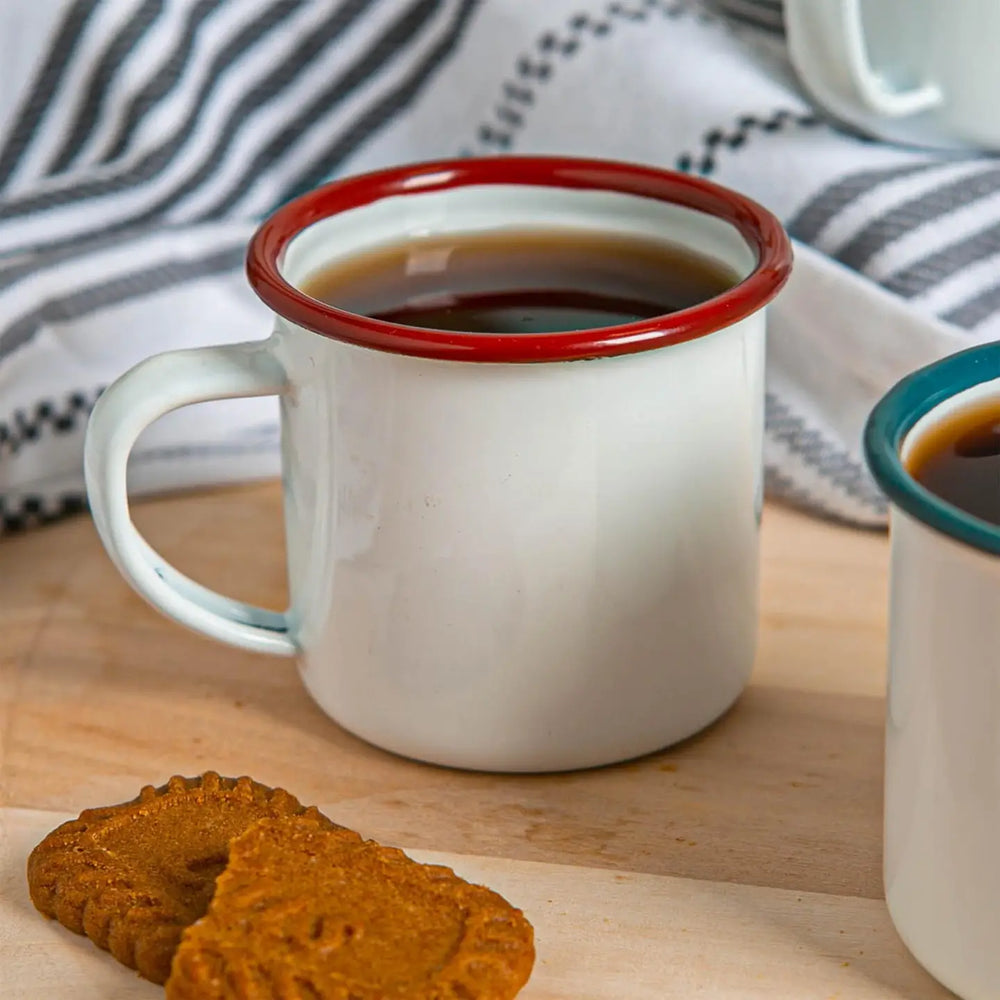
(149, 390)
(826, 42)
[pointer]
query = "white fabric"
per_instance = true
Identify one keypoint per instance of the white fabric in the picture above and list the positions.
(898, 260)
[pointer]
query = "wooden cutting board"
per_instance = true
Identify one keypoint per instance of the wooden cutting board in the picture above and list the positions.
(601, 935)
(745, 862)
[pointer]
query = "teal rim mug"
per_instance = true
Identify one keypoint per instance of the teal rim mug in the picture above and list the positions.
(942, 771)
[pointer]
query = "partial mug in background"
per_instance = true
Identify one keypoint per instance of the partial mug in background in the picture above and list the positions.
(942, 769)
(924, 72)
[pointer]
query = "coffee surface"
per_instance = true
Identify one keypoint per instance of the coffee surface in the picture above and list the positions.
(520, 281)
(959, 460)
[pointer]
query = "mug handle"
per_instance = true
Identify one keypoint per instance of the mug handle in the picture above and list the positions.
(826, 42)
(152, 388)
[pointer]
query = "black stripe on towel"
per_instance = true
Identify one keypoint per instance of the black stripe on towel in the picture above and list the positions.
(764, 16)
(975, 310)
(312, 49)
(157, 159)
(279, 77)
(928, 206)
(42, 260)
(27, 425)
(161, 83)
(96, 92)
(383, 112)
(123, 287)
(842, 471)
(810, 221)
(945, 262)
(32, 509)
(33, 110)
(719, 140)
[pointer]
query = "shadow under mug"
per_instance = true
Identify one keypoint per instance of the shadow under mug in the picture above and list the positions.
(942, 770)
(515, 552)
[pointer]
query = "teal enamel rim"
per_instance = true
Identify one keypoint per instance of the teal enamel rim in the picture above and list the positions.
(895, 415)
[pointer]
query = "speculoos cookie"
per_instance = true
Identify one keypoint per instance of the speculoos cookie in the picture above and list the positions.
(133, 876)
(305, 912)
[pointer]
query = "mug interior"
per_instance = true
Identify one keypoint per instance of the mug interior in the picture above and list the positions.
(907, 412)
(962, 401)
(388, 207)
(498, 207)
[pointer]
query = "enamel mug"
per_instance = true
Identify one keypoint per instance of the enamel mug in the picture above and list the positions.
(942, 769)
(918, 71)
(515, 552)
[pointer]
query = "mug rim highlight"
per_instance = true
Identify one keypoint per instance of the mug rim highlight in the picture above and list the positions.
(898, 412)
(759, 227)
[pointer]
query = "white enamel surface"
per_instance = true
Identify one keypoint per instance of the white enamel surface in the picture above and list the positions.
(507, 567)
(942, 805)
(872, 61)
(525, 567)
(149, 390)
(942, 794)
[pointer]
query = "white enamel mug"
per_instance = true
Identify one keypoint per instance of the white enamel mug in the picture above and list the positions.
(942, 769)
(921, 71)
(505, 552)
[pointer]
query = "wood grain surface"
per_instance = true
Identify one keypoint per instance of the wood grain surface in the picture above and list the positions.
(781, 798)
(599, 935)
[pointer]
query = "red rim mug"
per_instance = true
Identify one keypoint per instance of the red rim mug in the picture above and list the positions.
(516, 552)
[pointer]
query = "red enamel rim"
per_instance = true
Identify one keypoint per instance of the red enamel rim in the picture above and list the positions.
(759, 228)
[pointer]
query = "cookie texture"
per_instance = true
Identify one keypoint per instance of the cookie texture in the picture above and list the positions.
(303, 912)
(133, 876)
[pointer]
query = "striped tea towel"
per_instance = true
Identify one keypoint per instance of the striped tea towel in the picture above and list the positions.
(141, 140)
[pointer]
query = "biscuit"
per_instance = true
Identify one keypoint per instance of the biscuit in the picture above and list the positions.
(303, 912)
(133, 876)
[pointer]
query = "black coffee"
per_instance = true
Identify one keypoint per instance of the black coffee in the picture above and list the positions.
(959, 460)
(525, 281)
